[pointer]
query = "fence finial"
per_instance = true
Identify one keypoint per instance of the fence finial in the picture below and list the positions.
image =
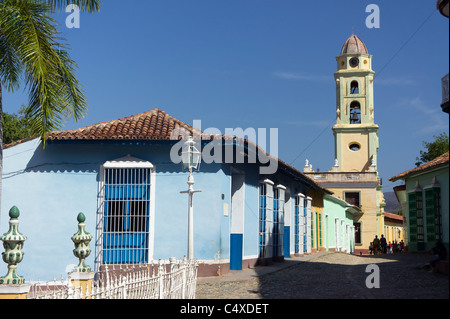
(81, 240)
(13, 242)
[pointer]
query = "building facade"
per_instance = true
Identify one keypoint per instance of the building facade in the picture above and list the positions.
(338, 224)
(426, 212)
(121, 175)
(393, 228)
(354, 177)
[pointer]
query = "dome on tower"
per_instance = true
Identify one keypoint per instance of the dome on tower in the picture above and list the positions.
(354, 45)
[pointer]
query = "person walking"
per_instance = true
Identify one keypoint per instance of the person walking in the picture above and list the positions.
(376, 245)
(440, 253)
(383, 244)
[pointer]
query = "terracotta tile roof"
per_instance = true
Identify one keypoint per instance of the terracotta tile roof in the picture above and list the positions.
(392, 216)
(354, 45)
(151, 125)
(437, 162)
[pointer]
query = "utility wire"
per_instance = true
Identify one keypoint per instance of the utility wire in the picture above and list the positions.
(406, 42)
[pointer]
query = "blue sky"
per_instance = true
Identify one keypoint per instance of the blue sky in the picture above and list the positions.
(263, 64)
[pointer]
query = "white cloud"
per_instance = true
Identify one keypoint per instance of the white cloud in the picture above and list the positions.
(435, 121)
(304, 77)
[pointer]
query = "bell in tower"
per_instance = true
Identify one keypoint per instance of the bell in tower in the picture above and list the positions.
(355, 113)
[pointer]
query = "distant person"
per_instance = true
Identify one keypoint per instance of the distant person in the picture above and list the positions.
(383, 244)
(376, 245)
(395, 246)
(402, 245)
(440, 252)
(388, 248)
(371, 248)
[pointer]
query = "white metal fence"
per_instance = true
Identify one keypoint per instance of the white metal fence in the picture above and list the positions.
(175, 279)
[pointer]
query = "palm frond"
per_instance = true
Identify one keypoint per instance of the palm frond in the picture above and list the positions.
(84, 5)
(11, 67)
(49, 73)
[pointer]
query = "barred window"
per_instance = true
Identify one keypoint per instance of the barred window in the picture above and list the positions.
(433, 214)
(265, 218)
(125, 212)
(278, 220)
(126, 215)
(300, 239)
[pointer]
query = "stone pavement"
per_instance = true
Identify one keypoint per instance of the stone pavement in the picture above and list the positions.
(330, 275)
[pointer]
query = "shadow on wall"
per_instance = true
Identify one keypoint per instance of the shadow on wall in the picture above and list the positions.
(88, 157)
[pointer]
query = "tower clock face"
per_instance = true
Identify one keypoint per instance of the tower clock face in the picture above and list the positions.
(354, 62)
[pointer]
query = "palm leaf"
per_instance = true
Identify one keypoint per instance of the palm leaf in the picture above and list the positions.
(31, 37)
(84, 5)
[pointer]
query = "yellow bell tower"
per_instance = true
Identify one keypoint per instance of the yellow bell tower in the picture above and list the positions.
(356, 135)
(354, 176)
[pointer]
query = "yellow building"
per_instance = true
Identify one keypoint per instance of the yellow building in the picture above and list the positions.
(393, 227)
(317, 213)
(354, 176)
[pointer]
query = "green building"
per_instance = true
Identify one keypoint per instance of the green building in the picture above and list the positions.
(425, 203)
(339, 229)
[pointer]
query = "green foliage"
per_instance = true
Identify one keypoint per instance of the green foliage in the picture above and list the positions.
(434, 149)
(15, 127)
(32, 51)
(85, 5)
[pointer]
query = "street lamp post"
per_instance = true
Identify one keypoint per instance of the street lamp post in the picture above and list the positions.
(191, 159)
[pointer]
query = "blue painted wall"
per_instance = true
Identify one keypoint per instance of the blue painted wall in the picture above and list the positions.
(52, 186)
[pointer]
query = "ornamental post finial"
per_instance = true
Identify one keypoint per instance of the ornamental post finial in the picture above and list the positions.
(13, 242)
(81, 240)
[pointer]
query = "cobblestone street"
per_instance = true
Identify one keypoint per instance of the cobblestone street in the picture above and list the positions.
(334, 276)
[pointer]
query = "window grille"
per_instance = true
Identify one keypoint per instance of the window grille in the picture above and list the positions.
(433, 214)
(300, 214)
(416, 226)
(306, 222)
(297, 225)
(126, 213)
(278, 221)
(265, 218)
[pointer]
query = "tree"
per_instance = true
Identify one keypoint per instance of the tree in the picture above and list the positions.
(15, 126)
(32, 51)
(434, 149)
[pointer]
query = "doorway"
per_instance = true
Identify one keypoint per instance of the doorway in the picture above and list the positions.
(237, 220)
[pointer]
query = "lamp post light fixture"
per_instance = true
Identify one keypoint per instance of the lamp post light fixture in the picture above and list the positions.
(191, 158)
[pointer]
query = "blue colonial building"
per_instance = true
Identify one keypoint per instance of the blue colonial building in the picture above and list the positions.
(122, 176)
